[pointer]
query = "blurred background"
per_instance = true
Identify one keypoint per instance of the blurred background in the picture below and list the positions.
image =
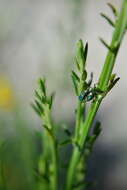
(38, 38)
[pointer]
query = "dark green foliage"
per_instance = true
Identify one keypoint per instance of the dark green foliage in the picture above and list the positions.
(109, 20)
(105, 44)
(113, 9)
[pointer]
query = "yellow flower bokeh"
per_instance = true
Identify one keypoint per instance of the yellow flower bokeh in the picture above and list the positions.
(6, 94)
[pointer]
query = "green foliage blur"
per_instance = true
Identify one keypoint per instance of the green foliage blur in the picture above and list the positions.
(20, 144)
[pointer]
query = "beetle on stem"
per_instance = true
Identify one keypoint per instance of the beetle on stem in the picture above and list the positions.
(91, 92)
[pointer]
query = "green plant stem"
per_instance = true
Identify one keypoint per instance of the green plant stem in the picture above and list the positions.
(51, 141)
(54, 181)
(78, 120)
(118, 34)
(103, 81)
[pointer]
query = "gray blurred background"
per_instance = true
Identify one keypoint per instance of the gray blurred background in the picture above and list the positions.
(38, 38)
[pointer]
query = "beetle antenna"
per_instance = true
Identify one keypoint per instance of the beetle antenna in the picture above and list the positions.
(91, 79)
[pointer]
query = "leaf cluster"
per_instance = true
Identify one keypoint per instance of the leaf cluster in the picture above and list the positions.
(42, 102)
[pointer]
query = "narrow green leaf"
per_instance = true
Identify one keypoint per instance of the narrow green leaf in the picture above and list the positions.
(84, 87)
(108, 19)
(42, 99)
(84, 75)
(114, 10)
(37, 95)
(77, 64)
(50, 132)
(91, 139)
(42, 86)
(97, 129)
(90, 142)
(76, 144)
(113, 84)
(98, 90)
(105, 44)
(75, 76)
(65, 142)
(75, 84)
(80, 46)
(51, 100)
(67, 131)
(36, 109)
(39, 106)
(80, 54)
